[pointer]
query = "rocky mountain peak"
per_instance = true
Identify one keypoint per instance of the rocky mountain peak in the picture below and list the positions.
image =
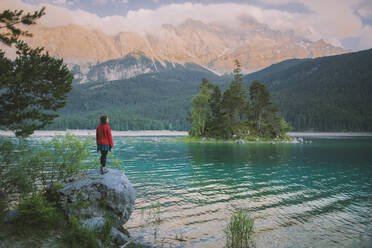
(213, 45)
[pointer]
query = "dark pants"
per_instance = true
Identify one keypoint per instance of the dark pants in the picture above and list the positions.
(103, 158)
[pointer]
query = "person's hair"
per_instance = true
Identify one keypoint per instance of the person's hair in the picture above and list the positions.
(103, 119)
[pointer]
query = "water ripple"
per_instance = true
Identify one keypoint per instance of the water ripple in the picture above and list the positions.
(299, 195)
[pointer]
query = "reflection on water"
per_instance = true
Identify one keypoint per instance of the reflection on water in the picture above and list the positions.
(301, 195)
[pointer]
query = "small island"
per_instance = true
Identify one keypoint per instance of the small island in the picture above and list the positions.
(235, 115)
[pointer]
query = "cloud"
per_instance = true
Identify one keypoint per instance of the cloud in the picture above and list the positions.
(365, 39)
(366, 11)
(59, 1)
(100, 1)
(332, 20)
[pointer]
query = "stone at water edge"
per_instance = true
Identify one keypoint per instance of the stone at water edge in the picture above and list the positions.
(97, 223)
(90, 194)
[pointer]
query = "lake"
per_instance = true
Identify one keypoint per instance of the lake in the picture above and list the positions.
(300, 195)
(314, 194)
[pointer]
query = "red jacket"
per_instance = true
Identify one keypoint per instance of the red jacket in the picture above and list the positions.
(103, 135)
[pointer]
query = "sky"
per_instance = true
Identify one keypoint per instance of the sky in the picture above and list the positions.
(345, 23)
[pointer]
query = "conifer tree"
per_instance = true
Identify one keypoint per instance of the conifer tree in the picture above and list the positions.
(219, 116)
(260, 102)
(34, 85)
(9, 24)
(201, 111)
(234, 99)
(216, 123)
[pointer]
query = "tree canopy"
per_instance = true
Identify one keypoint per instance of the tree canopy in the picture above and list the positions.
(233, 114)
(34, 85)
(201, 110)
(9, 19)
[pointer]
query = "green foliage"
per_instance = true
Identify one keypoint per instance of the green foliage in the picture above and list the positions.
(52, 194)
(103, 204)
(233, 115)
(16, 176)
(239, 230)
(10, 18)
(260, 102)
(80, 203)
(36, 211)
(323, 94)
(234, 98)
(28, 169)
(34, 85)
(33, 88)
(135, 245)
(80, 237)
(104, 233)
(201, 111)
(38, 221)
(216, 122)
(151, 101)
(63, 156)
(3, 207)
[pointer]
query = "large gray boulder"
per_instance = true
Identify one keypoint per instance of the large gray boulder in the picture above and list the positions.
(89, 195)
(97, 223)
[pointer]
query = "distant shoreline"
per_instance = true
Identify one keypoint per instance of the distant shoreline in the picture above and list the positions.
(167, 133)
(145, 133)
(329, 134)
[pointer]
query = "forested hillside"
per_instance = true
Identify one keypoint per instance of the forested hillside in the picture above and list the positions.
(148, 101)
(324, 94)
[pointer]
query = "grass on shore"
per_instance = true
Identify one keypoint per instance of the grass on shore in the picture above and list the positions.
(239, 230)
(41, 224)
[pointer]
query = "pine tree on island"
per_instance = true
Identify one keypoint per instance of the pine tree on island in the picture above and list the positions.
(236, 114)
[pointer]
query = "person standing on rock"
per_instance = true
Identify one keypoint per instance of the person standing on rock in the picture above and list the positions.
(104, 141)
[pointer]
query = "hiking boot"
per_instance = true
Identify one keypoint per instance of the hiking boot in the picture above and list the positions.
(103, 170)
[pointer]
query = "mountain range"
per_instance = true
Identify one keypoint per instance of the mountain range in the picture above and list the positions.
(331, 93)
(209, 45)
(145, 80)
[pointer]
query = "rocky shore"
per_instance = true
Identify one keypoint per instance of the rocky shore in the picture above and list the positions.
(95, 201)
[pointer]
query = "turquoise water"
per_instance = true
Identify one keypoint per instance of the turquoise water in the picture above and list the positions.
(300, 195)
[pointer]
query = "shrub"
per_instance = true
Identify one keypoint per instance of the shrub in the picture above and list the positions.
(37, 212)
(3, 207)
(239, 230)
(52, 194)
(80, 237)
(14, 177)
(104, 233)
(62, 156)
(26, 169)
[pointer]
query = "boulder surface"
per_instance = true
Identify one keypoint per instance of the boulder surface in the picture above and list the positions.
(90, 194)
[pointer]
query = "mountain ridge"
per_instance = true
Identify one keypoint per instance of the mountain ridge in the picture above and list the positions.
(331, 93)
(215, 46)
(328, 93)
